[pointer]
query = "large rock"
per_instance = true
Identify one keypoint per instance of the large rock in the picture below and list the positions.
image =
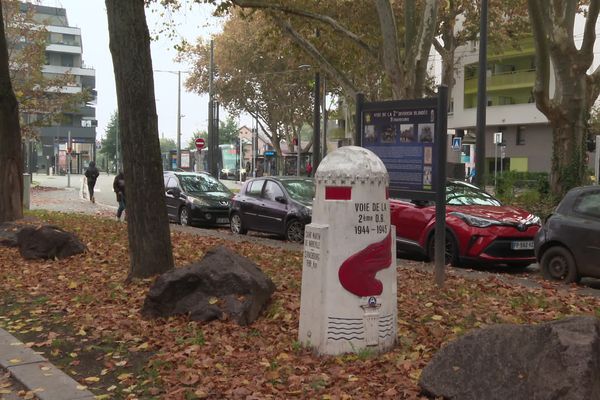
(222, 284)
(8, 234)
(48, 242)
(554, 360)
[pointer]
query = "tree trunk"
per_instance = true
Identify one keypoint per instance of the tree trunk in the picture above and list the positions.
(569, 132)
(11, 162)
(148, 227)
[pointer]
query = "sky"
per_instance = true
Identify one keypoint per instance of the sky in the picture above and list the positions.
(90, 16)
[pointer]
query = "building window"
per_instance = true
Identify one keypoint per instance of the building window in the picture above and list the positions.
(66, 60)
(520, 135)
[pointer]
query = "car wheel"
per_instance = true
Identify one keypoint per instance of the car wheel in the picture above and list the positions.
(451, 250)
(294, 231)
(237, 227)
(184, 216)
(558, 265)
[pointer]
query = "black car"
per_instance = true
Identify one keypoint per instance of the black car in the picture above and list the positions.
(568, 245)
(281, 205)
(196, 198)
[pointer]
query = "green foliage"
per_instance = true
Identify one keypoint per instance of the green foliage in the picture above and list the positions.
(228, 131)
(167, 145)
(109, 142)
(528, 190)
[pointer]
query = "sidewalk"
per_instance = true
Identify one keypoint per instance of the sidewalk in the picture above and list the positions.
(34, 375)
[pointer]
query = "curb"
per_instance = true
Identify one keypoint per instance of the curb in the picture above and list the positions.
(36, 373)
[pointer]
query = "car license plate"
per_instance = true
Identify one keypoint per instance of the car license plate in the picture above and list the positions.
(522, 245)
(222, 220)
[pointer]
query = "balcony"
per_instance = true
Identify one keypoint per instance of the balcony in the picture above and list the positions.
(63, 48)
(505, 81)
(58, 69)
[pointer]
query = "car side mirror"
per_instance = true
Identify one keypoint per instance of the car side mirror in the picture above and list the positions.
(174, 192)
(420, 203)
(281, 199)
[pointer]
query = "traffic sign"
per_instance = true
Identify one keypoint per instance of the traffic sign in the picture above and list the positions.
(456, 143)
(497, 137)
(199, 143)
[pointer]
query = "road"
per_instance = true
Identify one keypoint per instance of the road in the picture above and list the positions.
(70, 201)
(103, 192)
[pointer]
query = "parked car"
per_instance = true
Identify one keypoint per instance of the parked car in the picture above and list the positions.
(480, 230)
(568, 245)
(196, 198)
(281, 205)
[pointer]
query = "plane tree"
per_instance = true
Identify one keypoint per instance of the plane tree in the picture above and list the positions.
(147, 224)
(11, 163)
(565, 66)
(261, 75)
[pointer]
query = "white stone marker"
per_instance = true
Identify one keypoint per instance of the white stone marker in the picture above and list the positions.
(348, 300)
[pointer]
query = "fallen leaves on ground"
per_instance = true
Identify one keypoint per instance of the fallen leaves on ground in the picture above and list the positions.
(84, 317)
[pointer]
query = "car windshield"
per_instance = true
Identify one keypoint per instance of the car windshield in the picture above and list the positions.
(201, 183)
(463, 194)
(302, 190)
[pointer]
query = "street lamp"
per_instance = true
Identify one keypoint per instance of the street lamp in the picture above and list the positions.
(178, 73)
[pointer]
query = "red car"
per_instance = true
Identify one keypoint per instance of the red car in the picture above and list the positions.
(480, 230)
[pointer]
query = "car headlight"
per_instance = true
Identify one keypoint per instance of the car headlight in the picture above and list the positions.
(535, 220)
(199, 202)
(478, 222)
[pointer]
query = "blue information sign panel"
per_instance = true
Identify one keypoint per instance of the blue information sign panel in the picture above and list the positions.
(403, 134)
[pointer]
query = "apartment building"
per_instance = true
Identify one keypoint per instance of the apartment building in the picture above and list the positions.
(64, 55)
(526, 133)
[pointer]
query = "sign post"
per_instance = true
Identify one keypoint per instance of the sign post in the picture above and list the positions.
(69, 149)
(497, 141)
(410, 137)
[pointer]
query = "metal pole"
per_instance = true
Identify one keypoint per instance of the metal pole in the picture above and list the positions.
(178, 119)
(211, 139)
(69, 149)
(216, 148)
(253, 173)
(299, 155)
(440, 194)
(240, 157)
(481, 98)
(495, 165)
(317, 123)
(360, 99)
(324, 117)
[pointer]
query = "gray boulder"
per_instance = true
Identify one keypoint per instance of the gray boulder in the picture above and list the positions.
(8, 234)
(48, 242)
(554, 360)
(222, 284)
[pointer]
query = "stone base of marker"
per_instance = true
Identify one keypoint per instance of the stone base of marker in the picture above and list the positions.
(349, 288)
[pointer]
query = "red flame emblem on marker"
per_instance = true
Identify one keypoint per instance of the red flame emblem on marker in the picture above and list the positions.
(357, 273)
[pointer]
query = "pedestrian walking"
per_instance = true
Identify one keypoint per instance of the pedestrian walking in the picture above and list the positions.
(308, 168)
(91, 174)
(119, 188)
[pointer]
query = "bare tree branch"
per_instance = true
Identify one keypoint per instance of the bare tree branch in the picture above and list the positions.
(589, 34)
(542, 56)
(303, 13)
(391, 57)
(336, 74)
